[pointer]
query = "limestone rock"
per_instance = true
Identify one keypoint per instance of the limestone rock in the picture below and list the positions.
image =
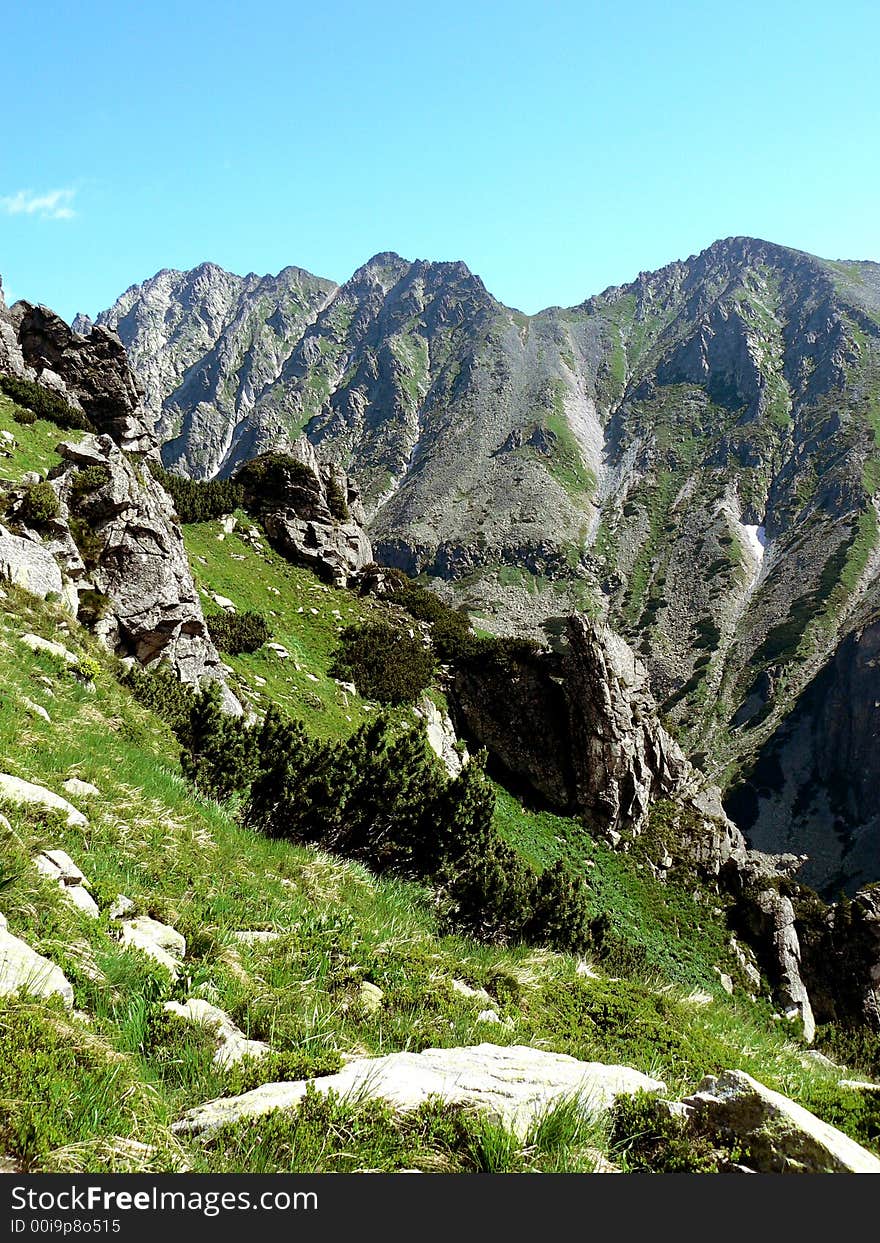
(441, 736)
(232, 1044)
(582, 726)
(138, 561)
(301, 513)
(92, 373)
(514, 1084)
(38, 644)
(58, 866)
(80, 789)
(28, 565)
(37, 710)
(24, 970)
(370, 996)
(767, 917)
(780, 1135)
(161, 942)
(15, 790)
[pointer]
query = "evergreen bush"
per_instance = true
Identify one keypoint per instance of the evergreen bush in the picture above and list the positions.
(197, 500)
(385, 662)
(40, 504)
(236, 633)
(44, 404)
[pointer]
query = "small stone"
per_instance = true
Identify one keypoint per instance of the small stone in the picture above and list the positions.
(371, 996)
(37, 710)
(488, 1016)
(80, 789)
(121, 907)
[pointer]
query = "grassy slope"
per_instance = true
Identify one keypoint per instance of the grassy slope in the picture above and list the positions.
(83, 1092)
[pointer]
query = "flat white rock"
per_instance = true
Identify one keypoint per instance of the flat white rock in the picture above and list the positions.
(80, 789)
(164, 944)
(514, 1084)
(18, 791)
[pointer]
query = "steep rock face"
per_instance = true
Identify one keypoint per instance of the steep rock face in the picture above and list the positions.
(821, 767)
(311, 513)
(93, 373)
(841, 958)
(119, 538)
(11, 359)
(582, 728)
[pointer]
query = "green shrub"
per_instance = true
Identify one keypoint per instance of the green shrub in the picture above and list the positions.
(379, 798)
(87, 481)
(236, 633)
(94, 606)
(44, 404)
(218, 750)
(649, 1140)
(285, 1067)
(272, 480)
(336, 500)
(198, 500)
(57, 1086)
(40, 504)
(162, 692)
(25, 417)
(384, 662)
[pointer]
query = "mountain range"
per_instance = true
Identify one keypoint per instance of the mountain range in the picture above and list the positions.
(693, 455)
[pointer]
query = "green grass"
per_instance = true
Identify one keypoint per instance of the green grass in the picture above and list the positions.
(36, 443)
(305, 617)
(187, 861)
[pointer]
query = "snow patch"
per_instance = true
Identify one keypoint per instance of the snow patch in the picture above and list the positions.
(755, 540)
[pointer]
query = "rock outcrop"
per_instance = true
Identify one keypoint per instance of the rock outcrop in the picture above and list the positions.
(312, 513)
(121, 551)
(514, 1085)
(23, 970)
(582, 727)
(766, 918)
(92, 373)
(841, 957)
(28, 564)
(778, 1135)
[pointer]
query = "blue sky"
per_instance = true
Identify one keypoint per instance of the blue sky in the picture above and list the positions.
(556, 147)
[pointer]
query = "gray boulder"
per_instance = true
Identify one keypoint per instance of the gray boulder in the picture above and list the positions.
(135, 557)
(23, 970)
(780, 1136)
(92, 373)
(28, 564)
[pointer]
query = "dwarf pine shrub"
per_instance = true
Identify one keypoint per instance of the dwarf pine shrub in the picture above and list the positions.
(40, 504)
(238, 633)
(385, 662)
(42, 403)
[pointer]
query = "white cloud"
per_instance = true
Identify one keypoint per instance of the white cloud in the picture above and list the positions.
(53, 205)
